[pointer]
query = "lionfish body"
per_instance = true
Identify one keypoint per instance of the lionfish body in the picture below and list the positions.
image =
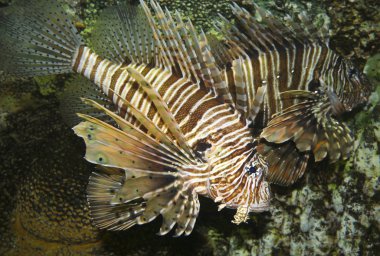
(211, 129)
(308, 86)
(185, 110)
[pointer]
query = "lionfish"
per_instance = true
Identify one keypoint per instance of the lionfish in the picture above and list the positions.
(188, 108)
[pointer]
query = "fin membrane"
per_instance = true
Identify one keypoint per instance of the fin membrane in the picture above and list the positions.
(125, 198)
(286, 163)
(40, 43)
(311, 127)
(157, 138)
(71, 103)
(220, 50)
(109, 146)
(122, 34)
(263, 32)
(148, 183)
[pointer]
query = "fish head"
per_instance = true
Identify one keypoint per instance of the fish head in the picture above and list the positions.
(354, 88)
(245, 190)
(253, 194)
(258, 192)
(357, 88)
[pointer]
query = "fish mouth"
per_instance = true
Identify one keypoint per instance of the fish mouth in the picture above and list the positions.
(261, 207)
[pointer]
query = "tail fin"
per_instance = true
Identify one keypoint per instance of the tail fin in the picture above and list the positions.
(37, 38)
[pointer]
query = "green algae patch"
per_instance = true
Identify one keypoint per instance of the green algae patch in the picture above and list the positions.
(46, 84)
(372, 68)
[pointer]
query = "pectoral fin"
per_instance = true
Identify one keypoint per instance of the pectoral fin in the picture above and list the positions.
(286, 164)
(125, 198)
(145, 182)
(311, 127)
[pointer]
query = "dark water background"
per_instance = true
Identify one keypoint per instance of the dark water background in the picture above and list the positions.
(333, 210)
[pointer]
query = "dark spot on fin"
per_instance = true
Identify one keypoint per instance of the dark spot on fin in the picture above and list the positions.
(122, 34)
(71, 103)
(41, 43)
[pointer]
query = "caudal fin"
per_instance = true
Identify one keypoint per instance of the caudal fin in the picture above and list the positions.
(37, 38)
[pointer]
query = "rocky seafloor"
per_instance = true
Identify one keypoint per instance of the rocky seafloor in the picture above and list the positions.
(333, 210)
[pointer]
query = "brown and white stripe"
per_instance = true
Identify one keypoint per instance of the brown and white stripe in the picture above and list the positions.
(282, 57)
(200, 115)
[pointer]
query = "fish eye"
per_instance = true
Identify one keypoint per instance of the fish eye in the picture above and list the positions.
(314, 85)
(352, 72)
(252, 169)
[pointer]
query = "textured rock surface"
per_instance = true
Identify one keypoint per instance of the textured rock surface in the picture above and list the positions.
(333, 210)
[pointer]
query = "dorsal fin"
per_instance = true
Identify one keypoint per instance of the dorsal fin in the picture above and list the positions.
(247, 101)
(122, 34)
(184, 52)
(220, 50)
(264, 32)
(304, 27)
(257, 49)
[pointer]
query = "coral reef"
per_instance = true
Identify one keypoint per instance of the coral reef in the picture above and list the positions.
(333, 210)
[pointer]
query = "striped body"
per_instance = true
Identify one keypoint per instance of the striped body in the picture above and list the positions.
(284, 69)
(200, 115)
(187, 109)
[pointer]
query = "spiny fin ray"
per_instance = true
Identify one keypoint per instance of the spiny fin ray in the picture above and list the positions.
(184, 52)
(162, 109)
(311, 127)
(124, 198)
(167, 146)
